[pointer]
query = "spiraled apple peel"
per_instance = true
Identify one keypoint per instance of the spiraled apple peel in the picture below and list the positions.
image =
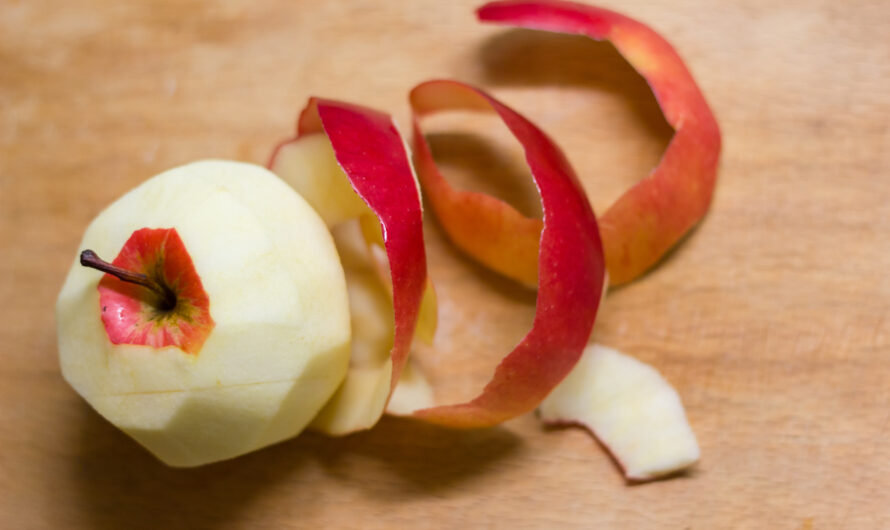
(565, 314)
(339, 160)
(571, 270)
(648, 219)
(615, 396)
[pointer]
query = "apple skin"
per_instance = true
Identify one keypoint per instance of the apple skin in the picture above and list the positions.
(130, 312)
(277, 294)
(648, 219)
(630, 408)
(361, 170)
(571, 267)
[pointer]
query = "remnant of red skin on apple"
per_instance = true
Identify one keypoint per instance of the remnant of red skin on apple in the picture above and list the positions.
(132, 314)
(571, 268)
(370, 151)
(648, 219)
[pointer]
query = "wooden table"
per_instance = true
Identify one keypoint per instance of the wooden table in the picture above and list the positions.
(772, 319)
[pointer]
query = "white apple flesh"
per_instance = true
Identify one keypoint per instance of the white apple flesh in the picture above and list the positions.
(630, 408)
(280, 345)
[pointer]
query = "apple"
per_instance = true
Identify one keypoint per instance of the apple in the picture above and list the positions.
(352, 165)
(648, 219)
(222, 322)
(630, 408)
(570, 265)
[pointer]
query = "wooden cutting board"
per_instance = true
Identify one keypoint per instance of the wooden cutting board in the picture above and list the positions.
(772, 319)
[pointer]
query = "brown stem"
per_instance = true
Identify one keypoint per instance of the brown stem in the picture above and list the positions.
(88, 258)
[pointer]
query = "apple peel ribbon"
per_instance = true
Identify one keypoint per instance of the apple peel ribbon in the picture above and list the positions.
(571, 267)
(650, 217)
(371, 153)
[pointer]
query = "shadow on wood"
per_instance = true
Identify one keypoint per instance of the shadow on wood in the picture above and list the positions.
(123, 486)
(424, 459)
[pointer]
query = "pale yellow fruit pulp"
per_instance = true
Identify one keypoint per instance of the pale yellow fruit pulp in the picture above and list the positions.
(630, 408)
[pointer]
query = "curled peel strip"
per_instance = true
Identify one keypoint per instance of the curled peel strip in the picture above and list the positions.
(369, 150)
(654, 214)
(570, 264)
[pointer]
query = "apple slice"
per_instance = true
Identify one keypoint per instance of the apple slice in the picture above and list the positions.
(650, 217)
(630, 408)
(571, 269)
(255, 338)
(350, 161)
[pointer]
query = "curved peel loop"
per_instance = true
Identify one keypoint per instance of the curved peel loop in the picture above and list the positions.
(370, 151)
(570, 265)
(654, 214)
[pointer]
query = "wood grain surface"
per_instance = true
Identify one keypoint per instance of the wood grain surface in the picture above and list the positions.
(772, 319)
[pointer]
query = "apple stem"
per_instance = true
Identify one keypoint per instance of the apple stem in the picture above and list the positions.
(88, 258)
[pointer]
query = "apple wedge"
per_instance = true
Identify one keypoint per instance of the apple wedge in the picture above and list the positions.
(570, 270)
(630, 408)
(648, 219)
(351, 163)
(222, 324)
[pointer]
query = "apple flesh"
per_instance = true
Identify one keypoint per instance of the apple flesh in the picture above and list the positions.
(275, 290)
(630, 408)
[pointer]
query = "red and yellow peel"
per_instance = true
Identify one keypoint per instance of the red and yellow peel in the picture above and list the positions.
(648, 219)
(370, 151)
(130, 312)
(570, 265)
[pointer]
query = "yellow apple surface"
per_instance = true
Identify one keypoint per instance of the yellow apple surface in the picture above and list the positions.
(277, 294)
(630, 408)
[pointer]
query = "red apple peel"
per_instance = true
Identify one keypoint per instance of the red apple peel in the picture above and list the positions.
(570, 271)
(370, 151)
(648, 219)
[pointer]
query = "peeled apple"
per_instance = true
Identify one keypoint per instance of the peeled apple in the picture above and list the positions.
(279, 346)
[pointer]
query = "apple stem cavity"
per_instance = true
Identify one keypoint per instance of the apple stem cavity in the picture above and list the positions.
(167, 298)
